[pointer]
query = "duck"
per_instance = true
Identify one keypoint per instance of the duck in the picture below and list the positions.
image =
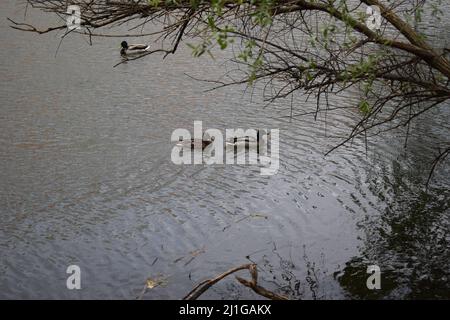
(193, 142)
(246, 140)
(133, 48)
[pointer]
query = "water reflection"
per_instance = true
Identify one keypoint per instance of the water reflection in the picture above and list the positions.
(409, 239)
(410, 243)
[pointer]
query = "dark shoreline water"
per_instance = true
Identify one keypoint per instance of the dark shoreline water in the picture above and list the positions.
(87, 179)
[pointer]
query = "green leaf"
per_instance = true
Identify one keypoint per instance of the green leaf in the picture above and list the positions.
(364, 107)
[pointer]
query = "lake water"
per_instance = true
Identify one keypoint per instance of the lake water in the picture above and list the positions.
(86, 178)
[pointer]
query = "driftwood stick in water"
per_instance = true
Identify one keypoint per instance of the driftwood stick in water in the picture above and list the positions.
(206, 284)
(253, 284)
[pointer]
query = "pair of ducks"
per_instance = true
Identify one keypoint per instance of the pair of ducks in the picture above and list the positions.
(193, 142)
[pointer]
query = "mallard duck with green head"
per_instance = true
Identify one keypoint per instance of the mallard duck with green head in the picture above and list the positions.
(133, 48)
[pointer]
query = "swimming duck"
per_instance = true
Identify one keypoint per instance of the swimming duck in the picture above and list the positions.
(246, 140)
(133, 48)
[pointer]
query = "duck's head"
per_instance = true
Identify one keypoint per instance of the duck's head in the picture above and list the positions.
(124, 45)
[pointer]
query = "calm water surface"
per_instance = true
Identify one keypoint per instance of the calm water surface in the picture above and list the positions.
(86, 178)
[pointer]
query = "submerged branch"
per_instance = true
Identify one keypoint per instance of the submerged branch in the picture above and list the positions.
(252, 284)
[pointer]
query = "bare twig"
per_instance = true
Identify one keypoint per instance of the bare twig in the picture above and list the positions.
(252, 284)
